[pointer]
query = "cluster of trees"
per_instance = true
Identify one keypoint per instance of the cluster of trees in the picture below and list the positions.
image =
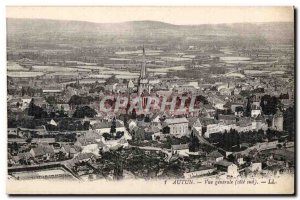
(232, 138)
(174, 141)
(140, 164)
(84, 111)
(29, 91)
(201, 99)
(269, 104)
(195, 145)
(78, 100)
(36, 111)
(289, 122)
(74, 85)
(258, 90)
(97, 89)
(284, 96)
(51, 100)
(66, 137)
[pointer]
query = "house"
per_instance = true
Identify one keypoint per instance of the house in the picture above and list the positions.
(105, 126)
(138, 133)
(194, 122)
(259, 123)
(102, 147)
(131, 124)
(157, 117)
(87, 138)
(149, 132)
(42, 152)
(178, 126)
(228, 167)
(217, 103)
(207, 110)
(25, 158)
(92, 135)
(158, 136)
(181, 149)
(227, 119)
(85, 157)
(202, 171)
(209, 126)
(41, 102)
(25, 101)
(240, 159)
(255, 110)
(244, 124)
(226, 122)
(255, 166)
(91, 148)
(214, 156)
(69, 150)
(12, 131)
(53, 123)
(277, 122)
(14, 102)
(197, 131)
(63, 106)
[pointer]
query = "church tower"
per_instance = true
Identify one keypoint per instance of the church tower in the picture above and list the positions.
(143, 83)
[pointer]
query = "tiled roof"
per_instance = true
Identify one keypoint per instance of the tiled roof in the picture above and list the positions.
(176, 120)
(224, 163)
(215, 154)
(180, 146)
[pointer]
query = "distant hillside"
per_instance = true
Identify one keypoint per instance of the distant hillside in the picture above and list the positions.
(42, 31)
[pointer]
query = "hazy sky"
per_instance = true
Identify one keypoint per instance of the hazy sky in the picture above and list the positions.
(174, 15)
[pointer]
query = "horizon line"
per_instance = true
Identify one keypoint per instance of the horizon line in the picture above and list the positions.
(145, 20)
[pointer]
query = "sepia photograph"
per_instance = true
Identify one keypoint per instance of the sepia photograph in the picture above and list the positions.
(157, 100)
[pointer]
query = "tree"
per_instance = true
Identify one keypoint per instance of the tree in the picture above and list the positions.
(118, 168)
(147, 119)
(78, 100)
(51, 100)
(279, 146)
(133, 114)
(36, 111)
(15, 147)
(202, 99)
(86, 125)
(289, 122)
(111, 80)
(269, 104)
(248, 108)
(106, 136)
(28, 140)
(84, 111)
(113, 126)
(194, 143)
(166, 130)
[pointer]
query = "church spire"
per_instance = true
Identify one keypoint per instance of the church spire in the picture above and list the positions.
(143, 70)
(143, 81)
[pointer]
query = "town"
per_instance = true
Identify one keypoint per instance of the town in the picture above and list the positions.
(161, 103)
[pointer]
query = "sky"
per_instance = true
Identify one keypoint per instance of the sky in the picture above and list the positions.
(173, 15)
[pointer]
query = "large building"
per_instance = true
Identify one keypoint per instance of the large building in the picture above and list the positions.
(178, 126)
